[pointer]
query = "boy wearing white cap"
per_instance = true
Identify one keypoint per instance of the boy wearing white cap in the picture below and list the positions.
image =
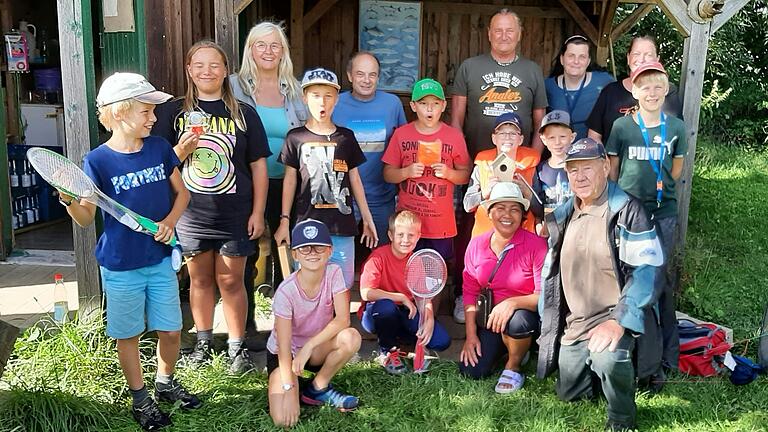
(140, 288)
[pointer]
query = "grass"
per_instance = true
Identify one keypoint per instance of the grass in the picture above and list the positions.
(68, 378)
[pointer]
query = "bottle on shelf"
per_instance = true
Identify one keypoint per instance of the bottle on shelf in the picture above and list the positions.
(28, 209)
(14, 173)
(15, 220)
(20, 213)
(60, 302)
(36, 207)
(26, 179)
(32, 174)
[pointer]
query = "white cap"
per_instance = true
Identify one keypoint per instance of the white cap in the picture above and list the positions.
(320, 76)
(506, 192)
(125, 85)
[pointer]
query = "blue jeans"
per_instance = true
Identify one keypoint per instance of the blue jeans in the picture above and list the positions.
(389, 321)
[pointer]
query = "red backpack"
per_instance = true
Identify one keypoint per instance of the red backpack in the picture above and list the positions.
(702, 348)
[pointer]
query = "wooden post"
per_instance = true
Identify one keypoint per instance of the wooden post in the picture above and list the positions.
(8, 335)
(297, 35)
(12, 114)
(226, 29)
(631, 20)
(604, 31)
(77, 71)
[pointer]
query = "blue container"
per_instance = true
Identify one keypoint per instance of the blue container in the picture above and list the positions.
(48, 80)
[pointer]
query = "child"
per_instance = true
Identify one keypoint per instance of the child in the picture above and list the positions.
(647, 150)
(426, 158)
(508, 138)
(322, 159)
(550, 182)
(388, 308)
(138, 279)
(312, 329)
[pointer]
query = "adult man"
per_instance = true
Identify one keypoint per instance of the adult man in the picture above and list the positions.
(372, 115)
(598, 287)
(502, 81)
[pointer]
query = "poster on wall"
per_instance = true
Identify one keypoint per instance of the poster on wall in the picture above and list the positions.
(392, 31)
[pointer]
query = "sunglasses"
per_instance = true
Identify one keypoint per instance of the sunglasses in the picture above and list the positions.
(316, 249)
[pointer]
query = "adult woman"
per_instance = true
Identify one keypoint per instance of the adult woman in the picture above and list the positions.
(507, 261)
(571, 86)
(266, 83)
(616, 98)
(224, 167)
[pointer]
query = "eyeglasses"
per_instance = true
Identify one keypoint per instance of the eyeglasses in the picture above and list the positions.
(262, 47)
(507, 134)
(316, 249)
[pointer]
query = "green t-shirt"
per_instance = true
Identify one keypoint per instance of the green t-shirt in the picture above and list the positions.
(636, 175)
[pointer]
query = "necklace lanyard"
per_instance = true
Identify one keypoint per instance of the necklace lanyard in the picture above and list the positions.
(572, 104)
(656, 165)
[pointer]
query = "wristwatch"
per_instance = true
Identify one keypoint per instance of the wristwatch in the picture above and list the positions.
(65, 203)
(287, 387)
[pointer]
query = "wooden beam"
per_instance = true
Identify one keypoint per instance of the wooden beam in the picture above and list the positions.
(730, 8)
(631, 20)
(604, 31)
(77, 72)
(489, 9)
(226, 27)
(297, 35)
(677, 12)
(12, 114)
(241, 5)
(317, 12)
(581, 20)
(8, 335)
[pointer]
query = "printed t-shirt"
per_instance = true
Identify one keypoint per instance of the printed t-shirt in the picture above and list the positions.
(276, 126)
(636, 175)
(383, 270)
(141, 182)
(581, 101)
(551, 186)
(615, 101)
(218, 172)
(323, 163)
(492, 90)
(373, 122)
(428, 196)
(308, 316)
(526, 161)
(518, 275)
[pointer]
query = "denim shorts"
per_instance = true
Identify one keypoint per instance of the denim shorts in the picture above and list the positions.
(142, 299)
(344, 256)
(225, 247)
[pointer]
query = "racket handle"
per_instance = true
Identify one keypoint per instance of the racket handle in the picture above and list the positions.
(418, 358)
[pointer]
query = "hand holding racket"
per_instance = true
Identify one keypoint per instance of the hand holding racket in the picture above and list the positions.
(67, 177)
(425, 276)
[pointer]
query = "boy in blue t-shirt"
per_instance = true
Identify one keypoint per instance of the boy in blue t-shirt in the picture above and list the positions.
(140, 172)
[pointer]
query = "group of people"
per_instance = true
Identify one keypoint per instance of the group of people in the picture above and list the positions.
(564, 240)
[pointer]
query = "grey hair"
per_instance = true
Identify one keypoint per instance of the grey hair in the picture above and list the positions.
(507, 11)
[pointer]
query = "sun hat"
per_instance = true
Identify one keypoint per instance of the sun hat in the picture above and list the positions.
(505, 192)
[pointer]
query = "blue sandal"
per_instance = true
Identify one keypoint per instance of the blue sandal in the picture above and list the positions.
(510, 381)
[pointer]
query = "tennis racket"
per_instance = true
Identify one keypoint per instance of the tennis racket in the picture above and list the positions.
(425, 276)
(64, 175)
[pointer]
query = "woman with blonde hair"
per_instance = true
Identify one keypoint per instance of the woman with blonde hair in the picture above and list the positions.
(223, 149)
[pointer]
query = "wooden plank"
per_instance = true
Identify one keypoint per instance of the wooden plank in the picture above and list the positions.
(730, 8)
(581, 19)
(487, 9)
(677, 12)
(8, 336)
(604, 31)
(241, 5)
(12, 115)
(297, 34)
(78, 102)
(317, 12)
(431, 45)
(442, 50)
(226, 29)
(629, 22)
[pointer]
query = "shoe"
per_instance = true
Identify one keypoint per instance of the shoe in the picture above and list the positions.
(173, 392)
(201, 354)
(391, 361)
(149, 416)
(509, 382)
(340, 401)
(613, 426)
(242, 362)
(458, 310)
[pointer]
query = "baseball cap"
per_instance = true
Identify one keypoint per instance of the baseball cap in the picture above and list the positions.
(310, 232)
(558, 117)
(121, 86)
(585, 149)
(505, 192)
(645, 67)
(320, 76)
(509, 118)
(427, 87)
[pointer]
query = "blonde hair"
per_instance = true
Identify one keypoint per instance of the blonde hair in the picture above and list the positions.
(107, 113)
(227, 96)
(403, 217)
(651, 76)
(248, 77)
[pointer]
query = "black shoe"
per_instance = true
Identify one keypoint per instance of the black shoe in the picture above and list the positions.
(613, 426)
(173, 392)
(241, 363)
(149, 416)
(201, 354)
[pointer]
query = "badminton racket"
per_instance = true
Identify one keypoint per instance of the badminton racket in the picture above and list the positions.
(425, 276)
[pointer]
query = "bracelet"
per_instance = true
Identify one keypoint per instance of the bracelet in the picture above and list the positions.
(65, 203)
(285, 216)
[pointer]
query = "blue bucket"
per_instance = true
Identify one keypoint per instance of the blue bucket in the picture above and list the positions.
(47, 79)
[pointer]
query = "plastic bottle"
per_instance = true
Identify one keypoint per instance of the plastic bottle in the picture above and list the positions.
(26, 179)
(60, 304)
(14, 174)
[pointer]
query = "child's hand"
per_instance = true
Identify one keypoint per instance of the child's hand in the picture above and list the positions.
(486, 192)
(63, 196)
(282, 235)
(188, 142)
(255, 226)
(414, 170)
(411, 307)
(523, 185)
(369, 238)
(424, 335)
(441, 170)
(291, 410)
(301, 359)
(165, 230)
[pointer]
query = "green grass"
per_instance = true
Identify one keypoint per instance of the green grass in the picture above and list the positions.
(68, 379)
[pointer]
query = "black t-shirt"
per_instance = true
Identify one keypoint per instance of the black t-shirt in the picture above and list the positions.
(323, 163)
(615, 101)
(218, 172)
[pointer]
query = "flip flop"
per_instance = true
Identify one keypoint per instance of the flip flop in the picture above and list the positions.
(509, 378)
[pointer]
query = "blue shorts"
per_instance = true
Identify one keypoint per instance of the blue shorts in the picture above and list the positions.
(381, 214)
(143, 299)
(344, 257)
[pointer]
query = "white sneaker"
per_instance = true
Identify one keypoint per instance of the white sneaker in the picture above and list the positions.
(458, 310)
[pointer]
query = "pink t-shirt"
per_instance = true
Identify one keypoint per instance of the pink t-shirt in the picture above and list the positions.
(519, 273)
(308, 316)
(428, 196)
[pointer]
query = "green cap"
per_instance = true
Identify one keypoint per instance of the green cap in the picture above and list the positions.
(427, 87)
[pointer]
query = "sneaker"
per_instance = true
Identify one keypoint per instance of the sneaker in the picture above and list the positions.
(173, 392)
(458, 310)
(340, 401)
(201, 354)
(242, 362)
(391, 361)
(149, 416)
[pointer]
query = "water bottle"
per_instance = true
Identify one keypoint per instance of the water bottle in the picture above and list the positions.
(60, 304)
(28, 208)
(32, 174)
(36, 207)
(14, 174)
(26, 179)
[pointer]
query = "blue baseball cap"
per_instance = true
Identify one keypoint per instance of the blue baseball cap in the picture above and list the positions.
(585, 149)
(310, 232)
(558, 117)
(509, 118)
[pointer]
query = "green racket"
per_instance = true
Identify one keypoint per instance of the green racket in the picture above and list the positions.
(64, 175)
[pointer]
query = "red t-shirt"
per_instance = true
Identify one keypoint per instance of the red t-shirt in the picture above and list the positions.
(383, 270)
(428, 196)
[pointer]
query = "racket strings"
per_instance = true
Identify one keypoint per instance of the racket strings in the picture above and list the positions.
(60, 172)
(426, 275)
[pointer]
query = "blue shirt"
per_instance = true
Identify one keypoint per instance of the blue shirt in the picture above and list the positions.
(276, 126)
(373, 122)
(141, 182)
(582, 102)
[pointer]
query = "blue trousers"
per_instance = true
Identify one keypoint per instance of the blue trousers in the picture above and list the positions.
(389, 321)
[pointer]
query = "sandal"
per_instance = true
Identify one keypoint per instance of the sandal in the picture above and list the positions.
(510, 381)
